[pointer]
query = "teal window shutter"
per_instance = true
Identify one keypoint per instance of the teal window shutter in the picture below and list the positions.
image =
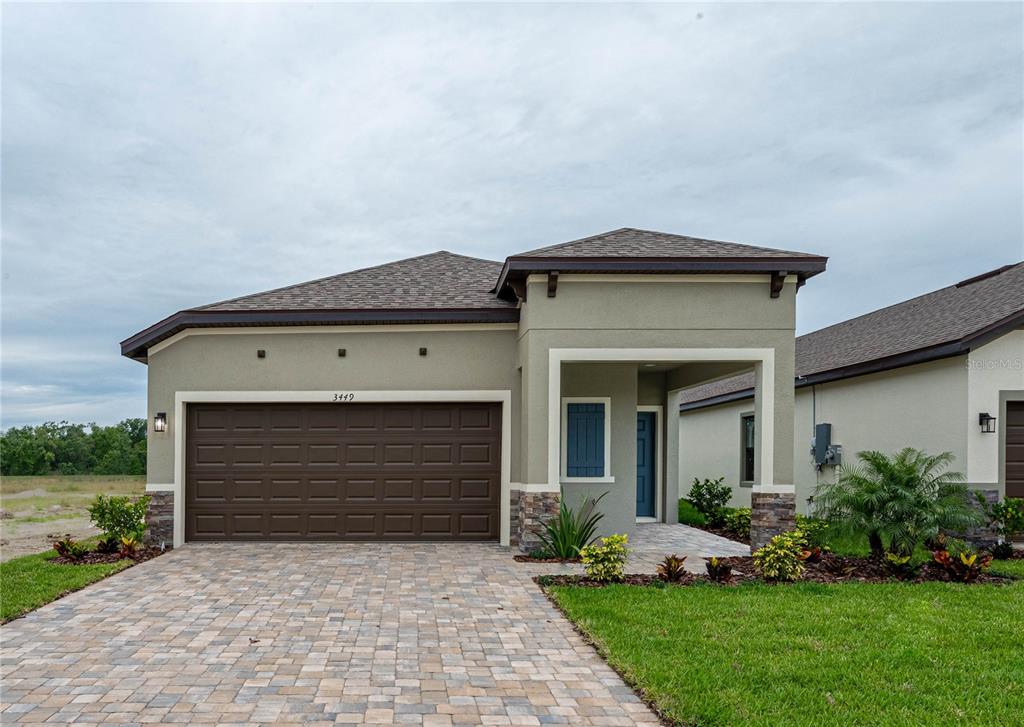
(585, 440)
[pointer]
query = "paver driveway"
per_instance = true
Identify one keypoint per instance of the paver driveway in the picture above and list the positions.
(312, 633)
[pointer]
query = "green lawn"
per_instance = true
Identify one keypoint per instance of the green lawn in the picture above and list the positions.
(31, 581)
(809, 654)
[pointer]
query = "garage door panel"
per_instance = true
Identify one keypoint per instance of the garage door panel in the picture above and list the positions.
(398, 490)
(399, 454)
(399, 419)
(334, 472)
(436, 419)
(360, 454)
(325, 490)
(477, 453)
(360, 419)
(477, 489)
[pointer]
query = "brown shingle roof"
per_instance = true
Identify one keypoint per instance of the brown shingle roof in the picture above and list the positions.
(942, 323)
(630, 242)
(438, 280)
(443, 287)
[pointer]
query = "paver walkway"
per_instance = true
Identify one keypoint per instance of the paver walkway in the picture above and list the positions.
(363, 633)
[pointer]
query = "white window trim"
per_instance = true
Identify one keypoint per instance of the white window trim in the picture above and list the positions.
(606, 478)
(659, 463)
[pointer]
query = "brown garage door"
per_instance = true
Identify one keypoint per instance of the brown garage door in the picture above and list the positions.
(343, 472)
(1015, 449)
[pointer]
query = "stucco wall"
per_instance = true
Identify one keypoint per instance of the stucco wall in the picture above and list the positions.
(922, 406)
(993, 368)
(594, 314)
(308, 361)
(618, 381)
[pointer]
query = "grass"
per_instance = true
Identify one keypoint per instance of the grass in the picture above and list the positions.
(810, 654)
(31, 581)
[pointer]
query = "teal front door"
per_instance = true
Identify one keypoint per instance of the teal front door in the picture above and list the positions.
(645, 485)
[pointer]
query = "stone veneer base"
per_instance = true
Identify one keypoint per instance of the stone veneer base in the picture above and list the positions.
(529, 513)
(983, 536)
(160, 519)
(771, 513)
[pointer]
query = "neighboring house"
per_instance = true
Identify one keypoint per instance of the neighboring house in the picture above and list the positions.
(941, 372)
(445, 397)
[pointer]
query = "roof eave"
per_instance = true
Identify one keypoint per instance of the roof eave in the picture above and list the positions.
(136, 347)
(804, 266)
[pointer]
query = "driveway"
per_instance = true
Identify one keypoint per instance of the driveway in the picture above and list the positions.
(313, 634)
(350, 633)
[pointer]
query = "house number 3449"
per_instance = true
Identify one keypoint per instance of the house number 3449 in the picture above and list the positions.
(344, 396)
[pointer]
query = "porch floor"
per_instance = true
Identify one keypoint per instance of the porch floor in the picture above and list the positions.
(653, 541)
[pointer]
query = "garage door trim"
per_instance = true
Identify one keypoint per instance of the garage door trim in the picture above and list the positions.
(176, 428)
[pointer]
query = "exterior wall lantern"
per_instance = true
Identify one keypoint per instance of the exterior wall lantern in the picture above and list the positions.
(987, 422)
(160, 422)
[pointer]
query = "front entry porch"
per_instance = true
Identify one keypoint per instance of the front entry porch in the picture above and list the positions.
(611, 431)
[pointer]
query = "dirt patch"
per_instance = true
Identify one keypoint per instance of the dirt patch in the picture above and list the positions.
(27, 538)
(26, 494)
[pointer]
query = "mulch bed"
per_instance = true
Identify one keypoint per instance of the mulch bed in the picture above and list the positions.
(829, 569)
(532, 559)
(94, 556)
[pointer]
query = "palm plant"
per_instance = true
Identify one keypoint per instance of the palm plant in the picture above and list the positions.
(898, 500)
(565, 535)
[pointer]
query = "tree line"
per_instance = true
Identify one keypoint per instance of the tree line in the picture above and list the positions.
(75, 449)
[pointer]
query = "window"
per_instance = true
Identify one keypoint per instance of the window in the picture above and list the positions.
(747, 434)
(586, 433)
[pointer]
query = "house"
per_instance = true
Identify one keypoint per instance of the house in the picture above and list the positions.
(445, 397)
(941, 372)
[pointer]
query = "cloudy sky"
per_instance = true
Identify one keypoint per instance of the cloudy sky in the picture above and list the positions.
(157, 157)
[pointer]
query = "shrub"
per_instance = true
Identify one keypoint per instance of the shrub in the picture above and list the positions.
(1006, 517)
(709, 497)
(567, 534)
(690, 515)
(718, 571)
(108, 545)
(737, 521)
(119, 517)
(897, 501)
(900, 566)
(68, 548)
(782, 559)
(672, 568)
(1002, 551)
(961, 562)
(129, 545)
(605, 562)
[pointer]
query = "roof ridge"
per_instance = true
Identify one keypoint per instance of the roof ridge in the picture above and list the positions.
(673, 236)
(336, 275)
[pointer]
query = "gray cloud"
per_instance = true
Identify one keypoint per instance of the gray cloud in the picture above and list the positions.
(157, 157)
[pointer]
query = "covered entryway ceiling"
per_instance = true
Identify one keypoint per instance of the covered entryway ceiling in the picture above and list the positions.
(343, 472)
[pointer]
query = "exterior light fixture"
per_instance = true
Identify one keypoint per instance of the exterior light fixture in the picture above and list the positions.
(987, 422)
(423, 352)
(160, 422)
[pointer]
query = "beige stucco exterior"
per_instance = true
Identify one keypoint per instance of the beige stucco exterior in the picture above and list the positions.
(598, 335)
(932, 406)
